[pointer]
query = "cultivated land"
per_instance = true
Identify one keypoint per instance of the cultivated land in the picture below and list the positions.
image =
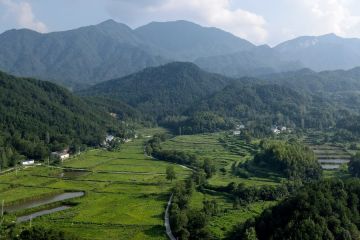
(224, 150)
(125, 193)
(331, 156)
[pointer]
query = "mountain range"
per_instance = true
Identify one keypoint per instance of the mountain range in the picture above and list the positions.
(181, 90)
(88, 55)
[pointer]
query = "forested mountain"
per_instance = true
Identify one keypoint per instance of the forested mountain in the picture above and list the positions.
(254, 62)
(88, 55)
(161, 91)
(84, 56)
(182, 95)
(186, 41)
(75, 58)
(315, 82)
(267, 104)
(339, 87)
(37, 117)
(327, 52)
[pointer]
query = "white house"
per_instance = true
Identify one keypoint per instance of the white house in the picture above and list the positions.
(236, 132)
(29, 162)
(109, 138)
(61, 155)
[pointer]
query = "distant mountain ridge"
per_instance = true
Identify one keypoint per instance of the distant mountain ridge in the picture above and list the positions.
(320, 53)
(88, 55)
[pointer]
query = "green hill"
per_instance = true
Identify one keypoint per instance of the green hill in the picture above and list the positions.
(38, 116)
(161, 91)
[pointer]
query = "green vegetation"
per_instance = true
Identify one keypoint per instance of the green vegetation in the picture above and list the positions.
(212, 197)
(323, 210)
(170, 173)
(38, 117)
(125, 193)
(188, 100)
(161, 91)
(39, 233)
(354, 165)
(293, 160)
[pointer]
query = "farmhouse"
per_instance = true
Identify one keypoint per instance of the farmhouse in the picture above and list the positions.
(61, 155)
(277, 130)
(29, 162)
(236, 132)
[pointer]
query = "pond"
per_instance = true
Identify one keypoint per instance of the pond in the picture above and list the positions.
(334, 161)
(43, 201)
(41, 213)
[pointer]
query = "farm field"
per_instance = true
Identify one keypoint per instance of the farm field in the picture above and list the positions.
(125, 193)
(224, 150)
(330, 156)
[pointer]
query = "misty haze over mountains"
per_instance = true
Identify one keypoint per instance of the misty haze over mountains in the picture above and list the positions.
(88, 55)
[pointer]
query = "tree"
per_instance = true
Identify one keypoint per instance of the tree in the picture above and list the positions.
(354, 165)
(170, 173)
(250, 234)
(209, 168)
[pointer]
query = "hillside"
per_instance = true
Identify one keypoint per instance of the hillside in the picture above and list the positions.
(75, 58)
(263, 105)
(37, 117)
(161, 91)
(254, 62)
(186, 41)
(88, 55)
(327, 52)
(327, 209)
(325, 81)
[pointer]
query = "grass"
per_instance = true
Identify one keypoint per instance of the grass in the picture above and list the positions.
(126, 193)
(224, 150)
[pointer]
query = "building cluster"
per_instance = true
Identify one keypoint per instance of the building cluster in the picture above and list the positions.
(279, 129)
(238, 129)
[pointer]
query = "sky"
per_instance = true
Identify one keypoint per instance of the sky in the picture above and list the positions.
(259, 21)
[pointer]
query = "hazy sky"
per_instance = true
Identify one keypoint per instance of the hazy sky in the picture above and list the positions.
(260, 21)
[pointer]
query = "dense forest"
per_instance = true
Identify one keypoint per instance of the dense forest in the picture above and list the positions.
(293, 160)
(189, 100)
(161, 91)
(328, 209)
(37, 117)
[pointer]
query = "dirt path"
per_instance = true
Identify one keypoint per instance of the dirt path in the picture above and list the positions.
(167, 221)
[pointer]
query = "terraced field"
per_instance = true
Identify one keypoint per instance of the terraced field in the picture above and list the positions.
(224, 150)
(125, 193)
(330, 156)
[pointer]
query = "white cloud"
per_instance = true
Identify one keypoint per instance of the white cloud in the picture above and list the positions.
(216, 13)
(22, 13)
(333, 16)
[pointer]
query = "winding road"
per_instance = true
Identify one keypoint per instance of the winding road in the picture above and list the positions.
(167, 221)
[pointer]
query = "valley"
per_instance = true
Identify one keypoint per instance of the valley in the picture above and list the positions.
(125, 194)
(174, 130)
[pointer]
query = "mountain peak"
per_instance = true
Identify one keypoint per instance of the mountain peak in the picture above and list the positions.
(112, 24)
(108, 22)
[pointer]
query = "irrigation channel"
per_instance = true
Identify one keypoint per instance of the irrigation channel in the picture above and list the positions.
(41, 202)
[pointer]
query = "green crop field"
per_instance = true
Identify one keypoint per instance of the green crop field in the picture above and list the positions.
(125, 193)
(223, 150)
